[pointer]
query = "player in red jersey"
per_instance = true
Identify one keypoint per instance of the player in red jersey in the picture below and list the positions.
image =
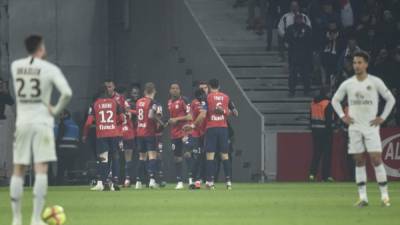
(129, 131)
(148, 115)
(197, 129)
(216, 136)
(179, 113)
(115, 156)
(108, 117)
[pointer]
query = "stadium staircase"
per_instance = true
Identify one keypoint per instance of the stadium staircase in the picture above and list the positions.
(261, 74)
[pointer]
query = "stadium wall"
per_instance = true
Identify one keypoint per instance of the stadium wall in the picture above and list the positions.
(161, 41)
(76, 35)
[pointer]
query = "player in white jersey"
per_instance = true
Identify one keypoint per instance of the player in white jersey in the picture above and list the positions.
(363, 91)
(33, 80)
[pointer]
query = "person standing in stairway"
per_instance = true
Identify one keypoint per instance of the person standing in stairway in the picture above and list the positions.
(299, 39)
(321, 128)
(271, 18)
(287, 20)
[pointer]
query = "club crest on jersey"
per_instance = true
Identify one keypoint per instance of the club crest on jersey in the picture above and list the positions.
(369, 88)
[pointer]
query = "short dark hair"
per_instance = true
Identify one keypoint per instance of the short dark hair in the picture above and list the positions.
(174, 82)
(362, 54)
(33, 42)
(203, 82)
(199, 93)
(135, 85)
(149, 88)
(214, 83)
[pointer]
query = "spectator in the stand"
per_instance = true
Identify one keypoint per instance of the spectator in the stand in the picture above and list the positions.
(5, 98)
(394, 6)
(346, 72)
(325, 16)
(347, 14)
(381, 66)
(357, 8)
(330, 53)
(321, 126)
(67, 140)
(387, 28)
(256, 22)
(351, 47)
(373, 8)
(271, 18)
(370, 41)
(396, 34)
(393, 76)
(287, 20)
(299, 40)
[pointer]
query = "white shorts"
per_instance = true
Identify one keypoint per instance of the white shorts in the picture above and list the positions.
(364, 141)
(34, 141)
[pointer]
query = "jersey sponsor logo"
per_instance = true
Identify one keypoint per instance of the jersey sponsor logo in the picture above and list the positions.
(360, 100)
(142, 125)
(391, 155)
(217, 118)
(106, 126)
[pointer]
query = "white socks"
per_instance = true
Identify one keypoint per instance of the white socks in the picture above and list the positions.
(381, 178)
(16, 192)
(361, 180)
(39, 194)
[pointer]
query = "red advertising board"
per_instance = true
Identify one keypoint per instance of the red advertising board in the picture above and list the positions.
(295, 152)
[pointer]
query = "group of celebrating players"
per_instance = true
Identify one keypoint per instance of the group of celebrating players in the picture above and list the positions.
(128, 123)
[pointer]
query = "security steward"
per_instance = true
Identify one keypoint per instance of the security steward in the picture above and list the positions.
(322, 124)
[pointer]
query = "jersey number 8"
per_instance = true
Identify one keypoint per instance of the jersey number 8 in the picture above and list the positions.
(140, 114)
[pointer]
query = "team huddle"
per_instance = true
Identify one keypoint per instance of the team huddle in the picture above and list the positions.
(198, 129)
(127, 123)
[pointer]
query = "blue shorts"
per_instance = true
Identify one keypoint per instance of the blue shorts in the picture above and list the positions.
(196, 145)
(160, 145)
(145, 144)
(107, 144)
(181, 145)
(129, 144)
(216, 139)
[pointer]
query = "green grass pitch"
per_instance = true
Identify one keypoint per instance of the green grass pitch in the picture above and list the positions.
(271, 203)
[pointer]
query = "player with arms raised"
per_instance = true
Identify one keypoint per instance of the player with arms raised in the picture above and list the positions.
(363, 91)
(34, 79)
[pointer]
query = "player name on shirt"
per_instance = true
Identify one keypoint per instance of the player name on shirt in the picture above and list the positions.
(28, 71)
(217, 100)
(218, 117)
